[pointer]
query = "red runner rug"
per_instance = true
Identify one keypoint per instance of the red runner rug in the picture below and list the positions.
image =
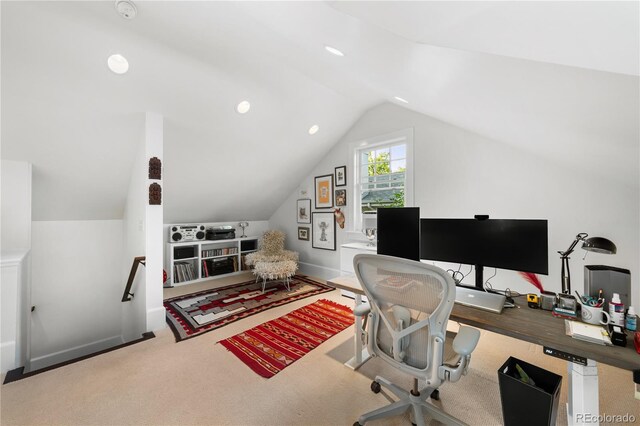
(270, 347)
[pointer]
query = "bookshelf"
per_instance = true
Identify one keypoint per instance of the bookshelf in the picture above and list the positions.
(194, 261)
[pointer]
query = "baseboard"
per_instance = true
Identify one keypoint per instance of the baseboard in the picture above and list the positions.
(317, 271)
(156, 319)
(19, 373)
(76, 352)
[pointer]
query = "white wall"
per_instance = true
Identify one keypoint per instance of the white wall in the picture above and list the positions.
(459, 174)
(134, 245)
(77, 287)
(15, 221)
(155, 312)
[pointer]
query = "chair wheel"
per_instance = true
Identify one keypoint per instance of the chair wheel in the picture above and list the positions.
(435, 395)
(375, 387)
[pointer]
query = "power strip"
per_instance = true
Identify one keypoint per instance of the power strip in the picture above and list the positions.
(564, 355)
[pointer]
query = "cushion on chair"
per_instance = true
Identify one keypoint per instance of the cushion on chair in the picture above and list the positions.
(275, 270)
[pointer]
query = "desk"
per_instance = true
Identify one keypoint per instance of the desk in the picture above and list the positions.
(535, 326)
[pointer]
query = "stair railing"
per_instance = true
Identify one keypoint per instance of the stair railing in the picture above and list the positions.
(127, 295)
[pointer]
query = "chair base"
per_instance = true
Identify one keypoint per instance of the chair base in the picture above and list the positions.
(286, 281)
(407, 400)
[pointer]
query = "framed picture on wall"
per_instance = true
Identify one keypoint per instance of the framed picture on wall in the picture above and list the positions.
(324, 191)
(303, 210)
(341, 197)
(341, 176)
(303, 233)
(323, 230)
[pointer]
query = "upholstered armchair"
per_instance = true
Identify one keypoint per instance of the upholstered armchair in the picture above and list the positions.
(272, 261)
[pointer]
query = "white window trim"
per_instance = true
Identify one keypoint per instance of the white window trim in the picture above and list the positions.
(400, 136)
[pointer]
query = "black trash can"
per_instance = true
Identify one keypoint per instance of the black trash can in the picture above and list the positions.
(525, 403)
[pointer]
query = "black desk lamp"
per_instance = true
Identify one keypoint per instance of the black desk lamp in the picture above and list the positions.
(595, 244)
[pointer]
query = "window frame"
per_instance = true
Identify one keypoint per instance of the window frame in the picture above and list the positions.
(355, 149)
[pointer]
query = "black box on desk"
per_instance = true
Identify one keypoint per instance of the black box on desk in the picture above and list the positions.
(523, 403)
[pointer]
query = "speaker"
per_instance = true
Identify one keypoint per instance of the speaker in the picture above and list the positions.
(186, 233)
(610, 280)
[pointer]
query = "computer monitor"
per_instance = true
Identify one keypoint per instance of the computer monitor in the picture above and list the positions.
(515, 244)
(398, 230)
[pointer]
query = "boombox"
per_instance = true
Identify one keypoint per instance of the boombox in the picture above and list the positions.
(179, 233)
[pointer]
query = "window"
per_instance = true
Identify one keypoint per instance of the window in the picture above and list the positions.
(383, 175)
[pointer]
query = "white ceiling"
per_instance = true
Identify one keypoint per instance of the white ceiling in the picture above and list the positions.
(557, 79)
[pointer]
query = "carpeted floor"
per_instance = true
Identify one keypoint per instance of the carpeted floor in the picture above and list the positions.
(197, 382)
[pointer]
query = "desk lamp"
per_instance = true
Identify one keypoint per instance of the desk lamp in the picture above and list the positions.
(567, 304)
(243, 225)
(595, 244)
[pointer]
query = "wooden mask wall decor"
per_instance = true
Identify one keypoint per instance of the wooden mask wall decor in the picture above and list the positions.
(155, 168)
(155, 194)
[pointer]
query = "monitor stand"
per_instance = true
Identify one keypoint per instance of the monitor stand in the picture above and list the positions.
(477, 297)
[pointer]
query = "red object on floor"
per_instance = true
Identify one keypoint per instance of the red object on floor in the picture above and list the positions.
(271, 347)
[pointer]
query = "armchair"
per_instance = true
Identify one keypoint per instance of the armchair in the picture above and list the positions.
(410, 304)
(272, 261)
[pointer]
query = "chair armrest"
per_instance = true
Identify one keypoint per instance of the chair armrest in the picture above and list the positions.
(466, 340)
(362, 310)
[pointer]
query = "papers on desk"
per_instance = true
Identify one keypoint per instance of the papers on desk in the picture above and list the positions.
(587, 332)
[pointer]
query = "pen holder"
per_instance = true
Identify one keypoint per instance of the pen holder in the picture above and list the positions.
(547, 300)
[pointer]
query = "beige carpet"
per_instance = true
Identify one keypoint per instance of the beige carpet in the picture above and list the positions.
(197, 382)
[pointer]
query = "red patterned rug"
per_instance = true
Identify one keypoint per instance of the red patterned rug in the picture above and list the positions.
(270, 347)
(197, 313)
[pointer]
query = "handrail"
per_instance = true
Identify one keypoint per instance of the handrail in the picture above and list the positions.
(127, 296)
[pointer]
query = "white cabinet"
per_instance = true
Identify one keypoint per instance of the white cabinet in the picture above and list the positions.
(347, 253)
(194, 261)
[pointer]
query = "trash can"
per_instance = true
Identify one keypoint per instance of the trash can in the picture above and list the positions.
(529, 394)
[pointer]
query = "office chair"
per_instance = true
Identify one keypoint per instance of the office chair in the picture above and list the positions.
(410, 303)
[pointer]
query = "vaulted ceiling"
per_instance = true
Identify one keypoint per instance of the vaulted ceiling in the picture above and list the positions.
(557, 78)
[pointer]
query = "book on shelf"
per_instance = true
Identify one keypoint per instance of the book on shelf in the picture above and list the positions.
(183, 271)
(219, 251)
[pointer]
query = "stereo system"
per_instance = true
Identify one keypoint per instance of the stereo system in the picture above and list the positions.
(178, 233)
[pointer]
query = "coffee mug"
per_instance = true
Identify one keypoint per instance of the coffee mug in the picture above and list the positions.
(593, 315)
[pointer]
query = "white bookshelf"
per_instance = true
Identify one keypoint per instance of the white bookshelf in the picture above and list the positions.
(222, 258)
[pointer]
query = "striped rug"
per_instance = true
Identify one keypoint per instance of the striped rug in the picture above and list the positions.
(270, 347)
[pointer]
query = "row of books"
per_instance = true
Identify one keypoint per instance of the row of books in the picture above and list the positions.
(219, 251)
(183, 271)
(211, 267)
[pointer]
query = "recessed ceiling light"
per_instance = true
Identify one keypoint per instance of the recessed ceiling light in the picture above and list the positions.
(243, 107)
(334, 51)
(398, 98)
(118, 64)
(314, 129)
